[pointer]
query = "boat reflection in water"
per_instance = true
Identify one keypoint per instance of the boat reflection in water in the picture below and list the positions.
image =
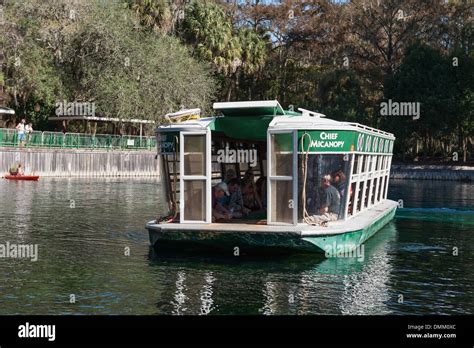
(286, 284)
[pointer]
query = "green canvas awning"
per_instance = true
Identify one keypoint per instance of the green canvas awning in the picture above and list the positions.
(250, 108)
(243, 127)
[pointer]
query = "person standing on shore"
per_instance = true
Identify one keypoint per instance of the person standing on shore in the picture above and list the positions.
(28, 131)
(21, 132)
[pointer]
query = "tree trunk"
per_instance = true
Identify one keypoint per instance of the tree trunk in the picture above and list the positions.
(464, 149)
(229, 91)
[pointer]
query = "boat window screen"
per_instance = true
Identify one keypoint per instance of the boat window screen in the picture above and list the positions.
(282, 155)
(195, 200)
(195, 183)
(282, 196)
(281, 181)
(194, 155)
(323, 196)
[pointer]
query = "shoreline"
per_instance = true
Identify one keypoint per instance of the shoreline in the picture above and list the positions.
(432, 172)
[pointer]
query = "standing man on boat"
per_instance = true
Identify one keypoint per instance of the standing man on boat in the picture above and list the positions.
(21, 132)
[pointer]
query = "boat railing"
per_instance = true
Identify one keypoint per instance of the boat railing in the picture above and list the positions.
(336, 125)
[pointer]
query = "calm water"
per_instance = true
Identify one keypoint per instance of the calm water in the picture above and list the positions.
(83, 227)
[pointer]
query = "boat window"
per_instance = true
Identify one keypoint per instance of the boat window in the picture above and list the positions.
(373, 197)
(194, 181)
(282, 197)
(195, 200)
(356, 164)
(360, 196)
(322, 196)
(350, 210)
(282, 154)
(194, 155)
(380, 195)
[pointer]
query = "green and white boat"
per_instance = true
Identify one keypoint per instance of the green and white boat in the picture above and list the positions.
(291, 151)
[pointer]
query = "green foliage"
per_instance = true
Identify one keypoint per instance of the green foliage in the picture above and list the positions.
(207, 28)
(444, 92)
(133, 74)
(341, 96)
(155, 15)
(97, 55)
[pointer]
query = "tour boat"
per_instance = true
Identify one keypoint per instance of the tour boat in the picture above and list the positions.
(292, 151)
(22, 177)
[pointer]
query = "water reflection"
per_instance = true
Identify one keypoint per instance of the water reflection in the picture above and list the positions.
(179, 296)
(291, 284)
(206, 293)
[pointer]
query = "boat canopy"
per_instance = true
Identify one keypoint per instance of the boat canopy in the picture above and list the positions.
(250, 108)
(251, 121)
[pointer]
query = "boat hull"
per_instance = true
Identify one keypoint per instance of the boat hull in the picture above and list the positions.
(294, 240)
(22, 177)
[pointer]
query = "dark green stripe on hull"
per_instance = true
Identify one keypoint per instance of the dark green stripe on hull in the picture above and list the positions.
(290, 240)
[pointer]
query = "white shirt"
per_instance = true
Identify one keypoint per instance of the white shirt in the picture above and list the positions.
(21, 128)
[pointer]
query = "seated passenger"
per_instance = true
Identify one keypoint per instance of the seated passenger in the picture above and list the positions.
(330, 199)
(248, 177)
(339, 181)
(13, 170)
(329, 203)
(218, 210)
(229, 175)
(236, 202)
(251, 200)
(16, 170)
(262, 190)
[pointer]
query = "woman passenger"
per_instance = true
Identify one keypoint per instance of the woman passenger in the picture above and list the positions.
(251, 200)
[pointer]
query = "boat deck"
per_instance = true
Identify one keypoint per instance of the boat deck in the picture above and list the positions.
(302, 229)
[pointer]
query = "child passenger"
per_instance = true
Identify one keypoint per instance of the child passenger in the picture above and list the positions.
(251, 200)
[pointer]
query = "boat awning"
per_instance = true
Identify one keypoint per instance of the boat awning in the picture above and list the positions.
(5, 110)
(250, 108)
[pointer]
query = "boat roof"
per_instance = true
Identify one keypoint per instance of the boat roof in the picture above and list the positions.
(250, 108)
(250, 120)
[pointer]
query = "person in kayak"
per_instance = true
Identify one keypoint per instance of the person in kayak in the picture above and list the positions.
(16, 170)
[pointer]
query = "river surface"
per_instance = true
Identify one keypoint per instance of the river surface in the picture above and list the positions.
(94, 257)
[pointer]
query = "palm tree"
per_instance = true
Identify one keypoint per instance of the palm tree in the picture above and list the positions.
(154, 14)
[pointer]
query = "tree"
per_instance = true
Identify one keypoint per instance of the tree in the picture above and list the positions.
(93, 52)
(135, 74)
(425, 76)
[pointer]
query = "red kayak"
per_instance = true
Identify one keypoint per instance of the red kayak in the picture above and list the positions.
(22, 177)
